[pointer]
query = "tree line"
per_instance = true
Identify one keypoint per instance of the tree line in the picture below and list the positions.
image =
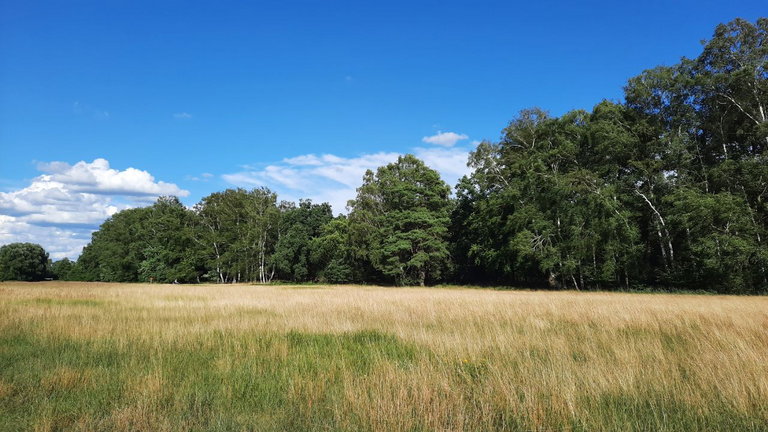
(666, 188)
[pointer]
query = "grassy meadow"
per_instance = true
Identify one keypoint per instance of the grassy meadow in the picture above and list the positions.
(76, 356)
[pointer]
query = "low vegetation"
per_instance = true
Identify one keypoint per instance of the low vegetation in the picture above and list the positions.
(77, 356)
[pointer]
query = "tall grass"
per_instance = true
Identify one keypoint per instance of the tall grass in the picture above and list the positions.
(152, 357)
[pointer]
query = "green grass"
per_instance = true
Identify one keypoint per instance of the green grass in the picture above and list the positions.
(228, 382)
(260, 358)
(59, 302)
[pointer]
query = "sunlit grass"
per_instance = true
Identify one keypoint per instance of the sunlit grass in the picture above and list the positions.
(151, 357)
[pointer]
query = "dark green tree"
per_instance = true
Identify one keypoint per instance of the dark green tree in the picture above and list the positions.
(61, 269)
(332, 255)
(292, 252)
(135, 245)
(400, 218)
(23, 262)
(116, 249)
(170, 252)
(668, 187)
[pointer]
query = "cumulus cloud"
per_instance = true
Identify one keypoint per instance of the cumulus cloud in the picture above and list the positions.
(447, 139)
(334, 179)
(98, 178)
(59, 242)
(62, 207)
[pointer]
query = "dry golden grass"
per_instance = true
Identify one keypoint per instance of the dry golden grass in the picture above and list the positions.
(164, 357)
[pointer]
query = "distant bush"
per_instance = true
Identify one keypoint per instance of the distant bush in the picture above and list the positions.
(23, 262)
(62, 269)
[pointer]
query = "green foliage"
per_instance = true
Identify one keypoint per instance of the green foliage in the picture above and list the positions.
(169, 254)
(668, 188)
(300, 225)
(331, 253)
(721, 245)
(400, 219)
(61, 269)
(237, 231)
(134, 245)
(23, 262)
(115, 251)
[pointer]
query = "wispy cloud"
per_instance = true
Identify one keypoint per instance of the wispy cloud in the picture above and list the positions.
(334, 179)
(447, 139)
(81, 109)
(202, 177)
(182, 115)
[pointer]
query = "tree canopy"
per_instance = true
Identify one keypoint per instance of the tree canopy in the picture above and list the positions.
(668, 188)
(400, 221)
(23, 262)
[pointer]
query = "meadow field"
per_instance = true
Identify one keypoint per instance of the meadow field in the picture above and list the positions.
(94, 356)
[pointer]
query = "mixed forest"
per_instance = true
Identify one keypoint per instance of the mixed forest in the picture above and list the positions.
(667, 188)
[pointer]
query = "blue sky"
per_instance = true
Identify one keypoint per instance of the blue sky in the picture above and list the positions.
(104, 105)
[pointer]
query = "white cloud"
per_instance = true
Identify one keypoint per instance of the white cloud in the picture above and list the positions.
(451, 163)
(182, 115)
(59, 242)
(79, 108)
(61, 208)
(203, 177)
(334, 179)
(447, 139)
(98, 178)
